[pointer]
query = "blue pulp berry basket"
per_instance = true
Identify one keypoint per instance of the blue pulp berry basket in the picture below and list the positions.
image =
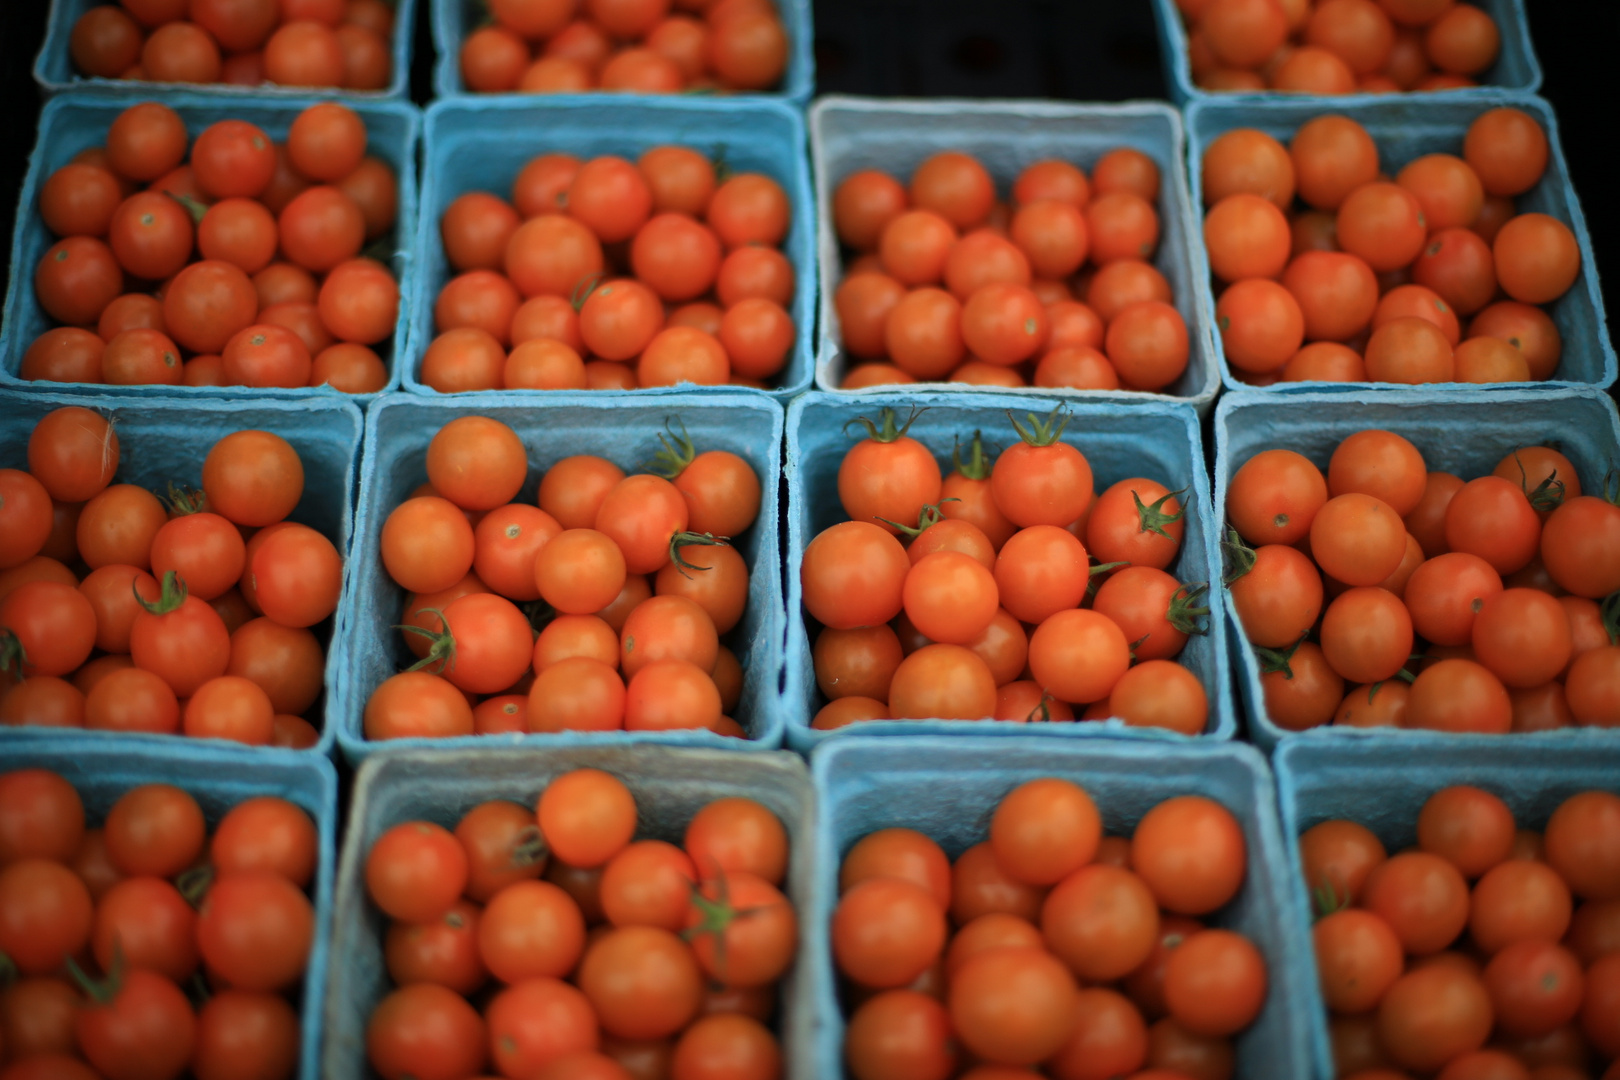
(848, 134)
(218, 777)
(1516, 67)
(73, 121)
(1406, 127)
(398, 430)
(1383, 786)
(478, 144)
(670, 785)
(53, 67)
(948, 788)
(1159, 440)
(1458, 432)
(163, 440)
(453, 20)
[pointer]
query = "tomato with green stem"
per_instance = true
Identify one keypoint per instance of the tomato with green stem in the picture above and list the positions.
(1276, 589)
(1156, 612)
(1041, 480)
(138, 1024)
(743, 930)
(179, 638)
(1138, 521)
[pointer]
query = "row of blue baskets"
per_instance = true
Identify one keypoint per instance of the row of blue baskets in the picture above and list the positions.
(452, 20)
(796, 455)
(945, 787)
(474, 144)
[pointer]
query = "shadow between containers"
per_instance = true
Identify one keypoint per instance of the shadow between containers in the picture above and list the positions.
(78, 119)
(670, 786)
(948, 786)
(481, 143)
(1460, 432)
(1405, 127)
(1383, 785)
(1516, 68)
(53, 68)
(895, 135)
(164, 440)
(218, 776)
(1157, 439)
(622, 429)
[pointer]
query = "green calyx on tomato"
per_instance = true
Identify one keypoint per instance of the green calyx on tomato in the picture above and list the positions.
(1610, 610)
(1275, 660)
(441, 643)
(1547, 495)
(1092, 583)
(100, 991)
(927, 518)
(193, 884)
(977, 466)
(1152, 518)
(888, 432)
(677, 454)
(173, 594)
(1185, 610)
(192, 205)
(585, 287)
(1240, 557)
(716, 916)
(182, 500)
(691, 539)
(1042, 432)
(13, 657)
(1042, 712)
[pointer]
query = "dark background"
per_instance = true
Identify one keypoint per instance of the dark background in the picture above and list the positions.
(1088, 50)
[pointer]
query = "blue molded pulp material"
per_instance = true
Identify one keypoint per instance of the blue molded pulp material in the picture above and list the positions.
(1457, 431)
(454, 19)
(948, 787)
(219, 777)
(670, 786)
(1515, 69)
(1406, 127)
(848, 134)
(1154, 439)
(163, 440)
(480, 144)
(53, 68)
(625, 431)
(1383, 785)
(74, 121)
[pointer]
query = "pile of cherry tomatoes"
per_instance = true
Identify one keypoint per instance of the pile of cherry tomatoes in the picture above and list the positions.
(610, 274)
(1508, 578)
(601, 608)
(1371, 279)
(241, 266)
(992, 609)
(1055, 288)
(120, 611)
(336, 43)
(627, 957)
(148, 947)
(1484, 951)
(636, 46)
(1048, 945)
(1338, 46)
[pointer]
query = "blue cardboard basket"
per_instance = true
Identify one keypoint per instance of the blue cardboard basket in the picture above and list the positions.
(74, 121)
(1516, 67)
(1157, 439)
(1457, 431)
(218, 777)
(1406, 127)
(53, 68)
(454, 19)
(670, 786)
(479, 144)
(398, 430)
(166, 439)
(1383, 786)
(948, 788)
(848, 134)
